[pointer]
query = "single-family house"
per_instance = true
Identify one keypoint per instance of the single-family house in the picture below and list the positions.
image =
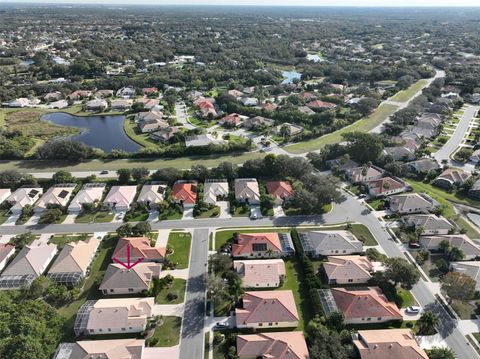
(280, 190)
(246, 190)
(423, 166)
(153, 115)
(386, 186)
(165, 134)
(388, 343)
(58, 194)
(474, 192)
(140, 250)
(120, 104)
(185, 193)
(249, 101)
(114, 316)
(109, 349)
(429, 224)
(148, 126)
(73, 262)
(272, 345)
(6, 252)
(79, 94)
(120, 280)
(469, 247)
(325, 243)
(353, 269)
(341, 164)
(475, 157)
(119, 198)
(152, 194)
(364, 173)
(400, 153)
(235, 93)
(96, 105)
(292, 129)
(147, 91)
(215, 189)
(257, 122)
(126, 92)
(23, 196)
(104, 93)
(53, 96)
(306, 110)
(267, 309)
(5, 193)
(451, 177)
(203, 140)
(321, 105)
(359, 305)
(260, 273)
(262, 245)
(90, 193)
(412, 203)
(205, 107)
(29, 264)
(232, 120)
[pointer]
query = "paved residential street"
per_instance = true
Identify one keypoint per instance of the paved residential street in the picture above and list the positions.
(192, 337)
(457, 138)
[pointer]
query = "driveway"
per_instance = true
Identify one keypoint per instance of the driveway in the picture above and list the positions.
(70, 218)
(33, 220)
(153, 216)
(168, 309)
(182, 115)
(224, 209)
(11, 220)
(187, 213)
(278, 210)
(255, 211)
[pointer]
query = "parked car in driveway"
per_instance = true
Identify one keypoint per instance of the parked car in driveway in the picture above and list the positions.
(413, 310)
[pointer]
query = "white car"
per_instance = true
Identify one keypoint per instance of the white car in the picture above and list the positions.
(413, 310)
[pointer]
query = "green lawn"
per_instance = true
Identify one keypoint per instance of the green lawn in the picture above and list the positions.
(464, 310)
(178, 287)
(405, 95)
(113, 165)
(96, 217)
(295, 283)
(211, 213)
(138, 216)
(167, 334)
(363, 125)
(241, 212)
(363, 234)
(3, 215)
(405, 298)
(181, 243)
(143, 139)
(170, 213)
(377, 204)
(223, 236)
(90, 288)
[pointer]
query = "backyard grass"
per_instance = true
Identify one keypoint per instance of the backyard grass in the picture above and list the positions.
(405, 95)
(143, 139)
(167, 334)
(363, 125)
(181, 243)
(178, 287)
(90, 289)
(295, 282)
(113, 165)
(96, 217)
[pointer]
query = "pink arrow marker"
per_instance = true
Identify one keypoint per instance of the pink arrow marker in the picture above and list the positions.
(128, 265)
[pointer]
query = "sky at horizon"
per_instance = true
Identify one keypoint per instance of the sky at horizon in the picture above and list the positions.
(380, 3)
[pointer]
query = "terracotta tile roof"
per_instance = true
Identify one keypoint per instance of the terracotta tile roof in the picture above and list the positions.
(6, 250)
(185, 192)
(280, 189)
(388, 343)
(280, 345)
(246, 241)
(385, 184)
(267, 307)
(365, 302)
(320, 104)
(140, 248)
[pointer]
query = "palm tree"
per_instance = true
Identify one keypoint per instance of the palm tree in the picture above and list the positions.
(427, 323)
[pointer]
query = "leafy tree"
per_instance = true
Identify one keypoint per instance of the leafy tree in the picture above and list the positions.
(464, 154)
(220, 263)
(363, 147)
(440, 353)
(141, 229)
(324, 343)
(63, 176)
(366, 105)
(21, 240)
(399, 270)
(124, 175)
(68, 150)
(140, 174)
(125, 230)
(458, 286)
(427, 323)
(50, 215)
(13, 179)
(169, 174)
(375, 256)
